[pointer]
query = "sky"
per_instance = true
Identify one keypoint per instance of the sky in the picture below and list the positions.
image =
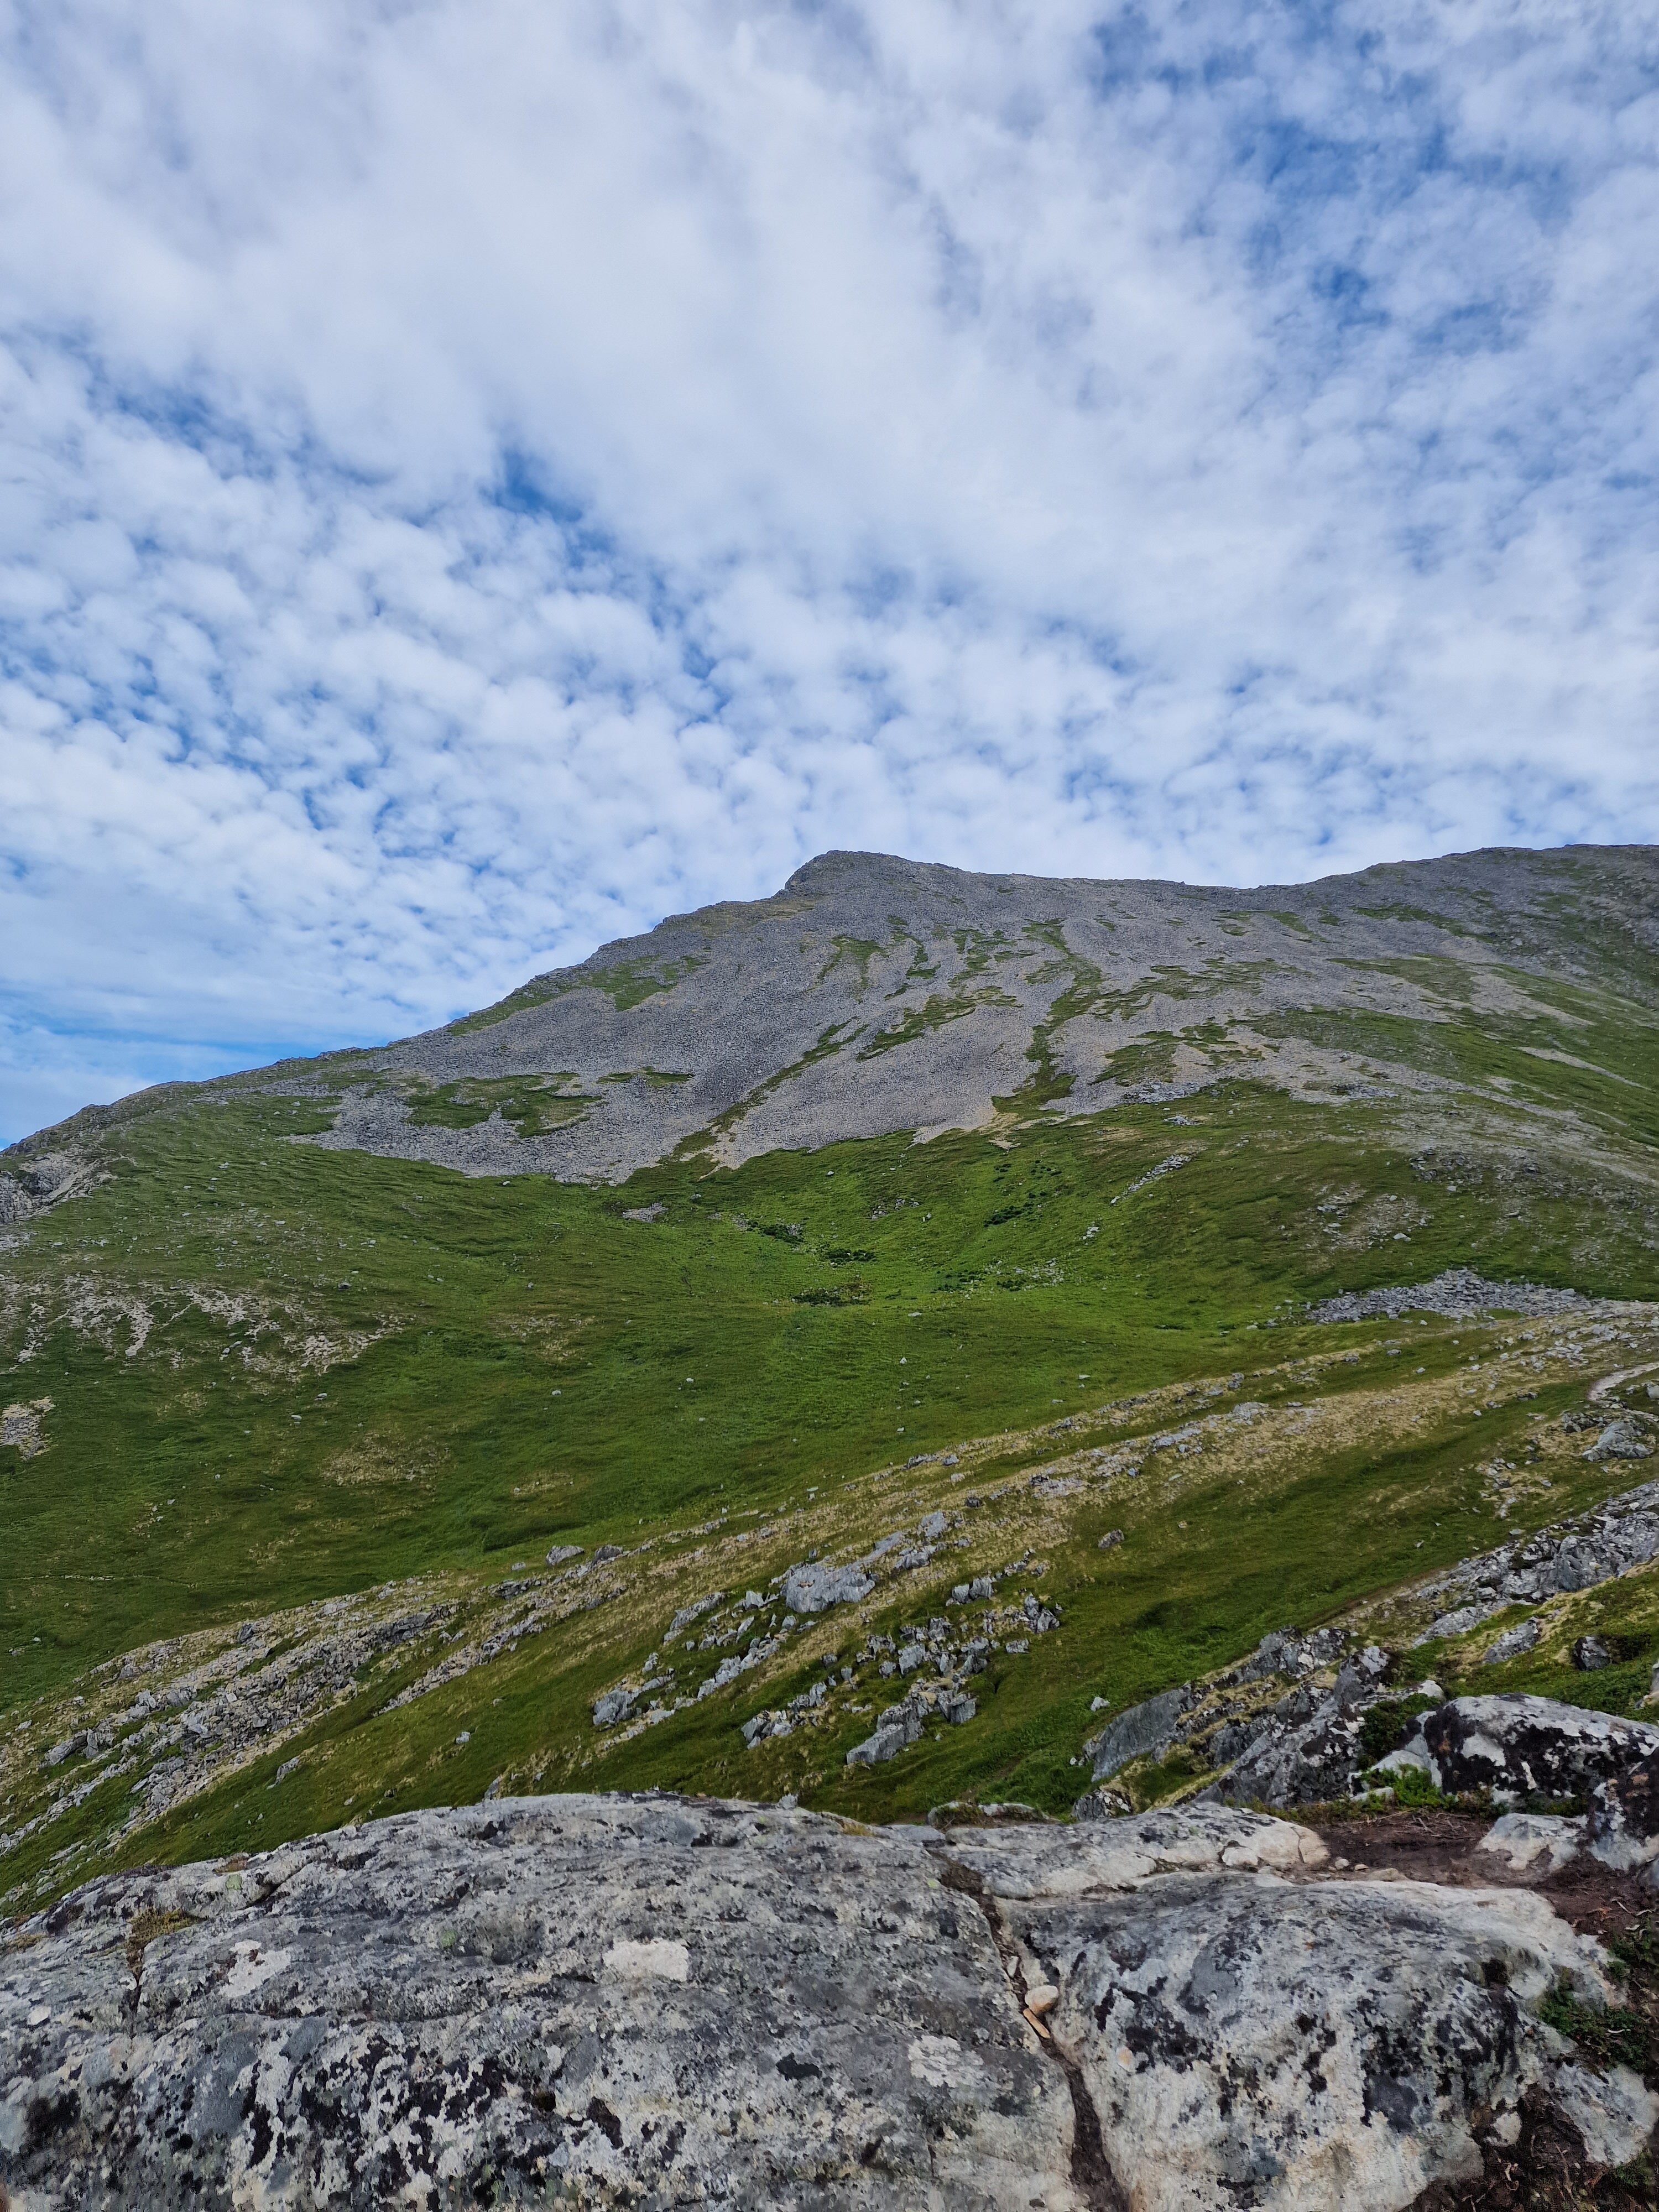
(478, 476)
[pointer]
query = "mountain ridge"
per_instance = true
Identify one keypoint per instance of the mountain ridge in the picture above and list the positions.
(872, 994)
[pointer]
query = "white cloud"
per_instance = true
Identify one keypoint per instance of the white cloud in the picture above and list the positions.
(478, 477)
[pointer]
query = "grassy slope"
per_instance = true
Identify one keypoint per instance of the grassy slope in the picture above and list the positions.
(533, 1367)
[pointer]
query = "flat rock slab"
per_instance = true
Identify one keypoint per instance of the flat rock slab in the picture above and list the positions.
(659, 2002)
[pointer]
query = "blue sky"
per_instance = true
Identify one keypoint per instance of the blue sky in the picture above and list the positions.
(478, 477)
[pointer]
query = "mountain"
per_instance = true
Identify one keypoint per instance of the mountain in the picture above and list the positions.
(1030, 1293)
(873, 995)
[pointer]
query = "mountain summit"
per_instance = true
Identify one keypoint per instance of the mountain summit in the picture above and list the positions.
(873, 994)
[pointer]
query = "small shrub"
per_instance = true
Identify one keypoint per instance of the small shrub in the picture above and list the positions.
(1382, 1727)
(1413, 1787)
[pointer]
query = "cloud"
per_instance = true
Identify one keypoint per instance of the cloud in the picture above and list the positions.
(478, 478)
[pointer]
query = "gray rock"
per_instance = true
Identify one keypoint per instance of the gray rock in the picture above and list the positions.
(1625, 1439)
(1521, 1746)
(814, 1587)
(1580, 1565)
(1456, 1293)
(1287, 1651)
(542, 1999)
(1250, 2042)
(1101, 1805)
(699, 1606)
(761, 1726)
(1149, 1727)
(34, 1182)
(784, 1039)
(1298, 1762)
(1534, 1842)
(1360, 1679)
(1570, 1555)
(614, 1706)
(524, 2002)
(1461, 1619)
(1623, 1825)
(892, 1735)
(1512, 1644)
(1590, 1655)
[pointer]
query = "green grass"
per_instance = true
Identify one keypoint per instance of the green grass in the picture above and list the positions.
(695, 1362)
(356, 1369)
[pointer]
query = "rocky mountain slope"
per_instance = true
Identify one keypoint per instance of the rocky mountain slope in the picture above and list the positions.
(874, 994)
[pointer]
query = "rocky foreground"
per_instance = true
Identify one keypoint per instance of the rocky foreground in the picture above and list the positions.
(656, 2000)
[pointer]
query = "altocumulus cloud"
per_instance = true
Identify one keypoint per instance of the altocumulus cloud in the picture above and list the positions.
(479, 475)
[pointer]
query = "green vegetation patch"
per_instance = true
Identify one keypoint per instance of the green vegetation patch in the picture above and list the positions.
(278, 1374)
(535, 1104)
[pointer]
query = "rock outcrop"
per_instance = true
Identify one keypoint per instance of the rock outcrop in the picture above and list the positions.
(1519, 1747)
(661, 2001)
(34, 1180)
(1570, 1555)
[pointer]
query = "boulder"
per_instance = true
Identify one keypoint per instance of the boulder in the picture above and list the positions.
(1534, 1842)
(1149, 1727)
(814, 1588)
(1623, 1825)
(1521, 1746)
(1523, 1637)
(1625, 1438)
(1247, 2041)
(543, 1999)
(900, 1726)
(1296, 1759)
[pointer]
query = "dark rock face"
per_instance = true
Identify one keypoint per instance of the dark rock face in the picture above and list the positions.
(1623, 1828)
(1521, 1746)
(667, 2002)
(1305, 1748)
(1298, 1763)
